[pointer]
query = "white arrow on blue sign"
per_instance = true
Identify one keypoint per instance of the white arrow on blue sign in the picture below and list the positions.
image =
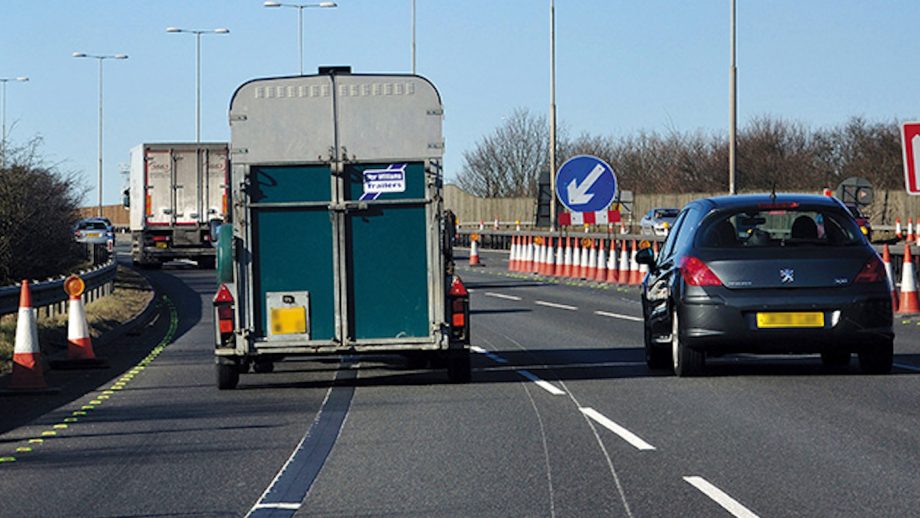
(586, 183)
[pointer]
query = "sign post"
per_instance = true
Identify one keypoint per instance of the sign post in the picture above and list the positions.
(910, 144)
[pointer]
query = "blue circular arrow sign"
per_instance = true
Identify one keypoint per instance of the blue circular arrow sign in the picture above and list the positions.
(586, 183)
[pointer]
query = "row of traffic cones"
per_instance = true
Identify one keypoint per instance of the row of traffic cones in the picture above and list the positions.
(577, 258)
(28, 375)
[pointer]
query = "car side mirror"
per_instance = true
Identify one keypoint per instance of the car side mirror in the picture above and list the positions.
(646, 256)
(126, 198)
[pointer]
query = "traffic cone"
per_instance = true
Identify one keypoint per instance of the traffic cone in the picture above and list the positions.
(28, 375)
(550, 269)
(576, 261)
(909, 304)
(897, 228)
(474, 253)
(886, 260)
(910, 230)
(512, 255)
(528, 255)
(80, 354)
(541, 264)
(634, 275)
(560, 258)
(612, 274)
(567, 258)
(590, 272)
(601, 274)
(585, 255)
(624, 264)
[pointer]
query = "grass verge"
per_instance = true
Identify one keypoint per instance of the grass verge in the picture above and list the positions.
(131, 296)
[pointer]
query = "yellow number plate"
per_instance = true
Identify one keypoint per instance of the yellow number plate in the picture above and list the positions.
(289, 321)
(92, 234)
(777, 320)
(161, 244)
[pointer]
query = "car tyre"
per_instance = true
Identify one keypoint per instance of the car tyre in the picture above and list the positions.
(656, 357)
(835, 358)
(879, 360)
(686, 361)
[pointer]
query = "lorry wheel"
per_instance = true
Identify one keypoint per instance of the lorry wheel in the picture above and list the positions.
(263, 366)
(458, 365)
(228, 375)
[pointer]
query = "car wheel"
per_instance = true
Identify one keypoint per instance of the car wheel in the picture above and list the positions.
(835, 358)
(656, 356)
(228, 375)
(879, 360)
(686, 361)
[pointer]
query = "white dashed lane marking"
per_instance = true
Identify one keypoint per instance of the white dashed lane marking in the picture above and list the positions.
(545, 385)
(554, 305)
(624, 434)
(618, 315)
(720, 497)
(502, 296)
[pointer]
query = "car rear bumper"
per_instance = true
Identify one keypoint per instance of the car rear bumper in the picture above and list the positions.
(851, 323)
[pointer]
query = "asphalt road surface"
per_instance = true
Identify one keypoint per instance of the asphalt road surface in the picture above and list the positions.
(562, 418)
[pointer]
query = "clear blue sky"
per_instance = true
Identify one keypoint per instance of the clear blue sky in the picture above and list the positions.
(621, 66)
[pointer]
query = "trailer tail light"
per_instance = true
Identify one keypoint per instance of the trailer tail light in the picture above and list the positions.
(459, 305)
(223, 304)
(148, 207)
(224, 203)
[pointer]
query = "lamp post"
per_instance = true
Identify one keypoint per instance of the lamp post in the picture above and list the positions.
(198, 33)
(552, 115)
(732, 109)
(413, 37)
(3, 82)
(300, 8)
(100, 59)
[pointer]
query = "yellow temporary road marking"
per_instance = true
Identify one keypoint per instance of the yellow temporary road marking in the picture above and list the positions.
(78, 412)
(87, 407)
(70, 419)
(60, 426)
(103, 396)
(36, 441)
(7, 459)
(23, 449)
(49, 433)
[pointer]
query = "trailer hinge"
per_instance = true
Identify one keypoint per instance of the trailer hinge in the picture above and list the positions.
(436, 111)
(237, 118)
(436, 145)
(239, 151)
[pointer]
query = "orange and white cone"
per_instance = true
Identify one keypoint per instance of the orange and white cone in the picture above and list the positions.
(567, 258)
(897, 228)
(550, 269)
(591, 268)
(560, 258)
(585, 256)
(624, 264)
(612, 274)
(910, 230)
(601, 275)
(635, 278)
(474, 253)
(528, 255)
(886, 260)
(512, 255)
(909, 304)
(28, 373)
(576, 261)
(79, 342)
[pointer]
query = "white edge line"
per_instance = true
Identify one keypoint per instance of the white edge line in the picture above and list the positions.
(502, 296)
(720, 497)
(478, 350)
(618, 315)
(907, 367)
(624, 434)
(278, 505)
(554, 305)
(492, 356)
(549, 387)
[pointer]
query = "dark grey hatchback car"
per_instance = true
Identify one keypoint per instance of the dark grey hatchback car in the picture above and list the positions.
(766, 274)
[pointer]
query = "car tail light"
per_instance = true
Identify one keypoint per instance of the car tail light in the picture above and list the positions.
(696, 273)
(872, 271)
(223, 303)
(459, 303)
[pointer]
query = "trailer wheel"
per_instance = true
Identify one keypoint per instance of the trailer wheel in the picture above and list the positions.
(228, 375)
(458, 365)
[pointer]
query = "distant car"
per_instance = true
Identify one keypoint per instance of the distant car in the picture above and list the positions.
(781, 274)
(861, 219)
(93, 231)
(658, 221)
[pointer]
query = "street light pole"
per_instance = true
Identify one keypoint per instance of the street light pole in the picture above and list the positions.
(300, 8)
(732, 109)
(3, 82)
(99, 58)
(413, 37)
(552, 115)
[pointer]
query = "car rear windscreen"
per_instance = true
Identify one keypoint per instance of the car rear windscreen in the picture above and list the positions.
(667, 213)
(758, 227)
(92, 225)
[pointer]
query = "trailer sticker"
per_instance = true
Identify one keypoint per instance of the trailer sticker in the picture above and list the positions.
(379, 181)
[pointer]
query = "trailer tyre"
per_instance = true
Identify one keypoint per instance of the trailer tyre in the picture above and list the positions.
(458, 365)
(228, 375)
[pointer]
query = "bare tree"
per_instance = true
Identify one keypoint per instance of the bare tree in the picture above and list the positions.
(508, 162)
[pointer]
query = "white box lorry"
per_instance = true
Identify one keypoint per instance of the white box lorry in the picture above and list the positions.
(176, 204)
